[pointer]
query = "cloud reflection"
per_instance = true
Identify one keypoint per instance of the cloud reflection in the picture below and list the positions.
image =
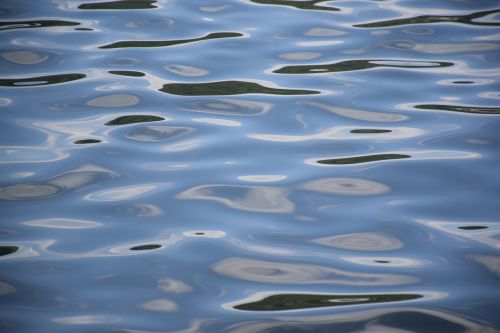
(362, 241)
(261, 199)
(63, 223)
(488, 236)
(345, 186)
(85, 320)
(161, 305)
(125, 193)
(173, 286)
(114, 101)
(228, 107)
(358, 114)
(70, 180)
(291, 273)
(344, 133)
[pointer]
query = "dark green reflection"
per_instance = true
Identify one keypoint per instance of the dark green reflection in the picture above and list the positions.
(35, 24)
(464, 19)
(307, 4)
(304, 301)
(8, 249)
(473, 227)
(125, 120)
(228, 88)
(369, 131)
(355, 65)
(40, 80)
(87, 141)
(364, 159)
(122, 4)
(164, 43)
(128, 73)
(146, 247)
(460, 108)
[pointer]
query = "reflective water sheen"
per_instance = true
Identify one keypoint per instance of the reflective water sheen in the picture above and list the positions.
(249, 166)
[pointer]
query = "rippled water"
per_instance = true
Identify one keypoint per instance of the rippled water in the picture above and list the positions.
(249, 166)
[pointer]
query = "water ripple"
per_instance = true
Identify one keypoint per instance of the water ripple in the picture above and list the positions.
(280, 302)
(363, 159)
(121, 4)
(302, 4)
(249, 166)
(126, 120)
(470, 19)
(166, 43)
(460, 108)
(40, 80)
(287, 273)
(10, 25)
(228, 88)
(356, 65)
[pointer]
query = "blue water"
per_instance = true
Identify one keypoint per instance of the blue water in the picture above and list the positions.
(249, 166)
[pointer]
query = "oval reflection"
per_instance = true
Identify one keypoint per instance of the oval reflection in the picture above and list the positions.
(345, 186)
(291, 273)
(114, 101)
(228, 107)
(262, 199)
(365, 241)
(28, 191)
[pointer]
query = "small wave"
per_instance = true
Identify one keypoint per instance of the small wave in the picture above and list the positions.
(146, 247)
(462, 19)
(363, 159)
(356, 65)
(123, 4)
(280, 302)
(126, 120)
(5, 250)
(228, 88)
(460, 108)
(303, 4)
(128, 73)
(86, 141)
(9, 25)
(41, 80)
(165, 43)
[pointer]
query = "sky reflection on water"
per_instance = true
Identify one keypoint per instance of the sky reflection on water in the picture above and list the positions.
(249, 166)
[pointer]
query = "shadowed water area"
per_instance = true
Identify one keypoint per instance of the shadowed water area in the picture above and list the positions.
(249, 166)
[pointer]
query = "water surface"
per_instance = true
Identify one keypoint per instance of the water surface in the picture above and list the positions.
(249, 166)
